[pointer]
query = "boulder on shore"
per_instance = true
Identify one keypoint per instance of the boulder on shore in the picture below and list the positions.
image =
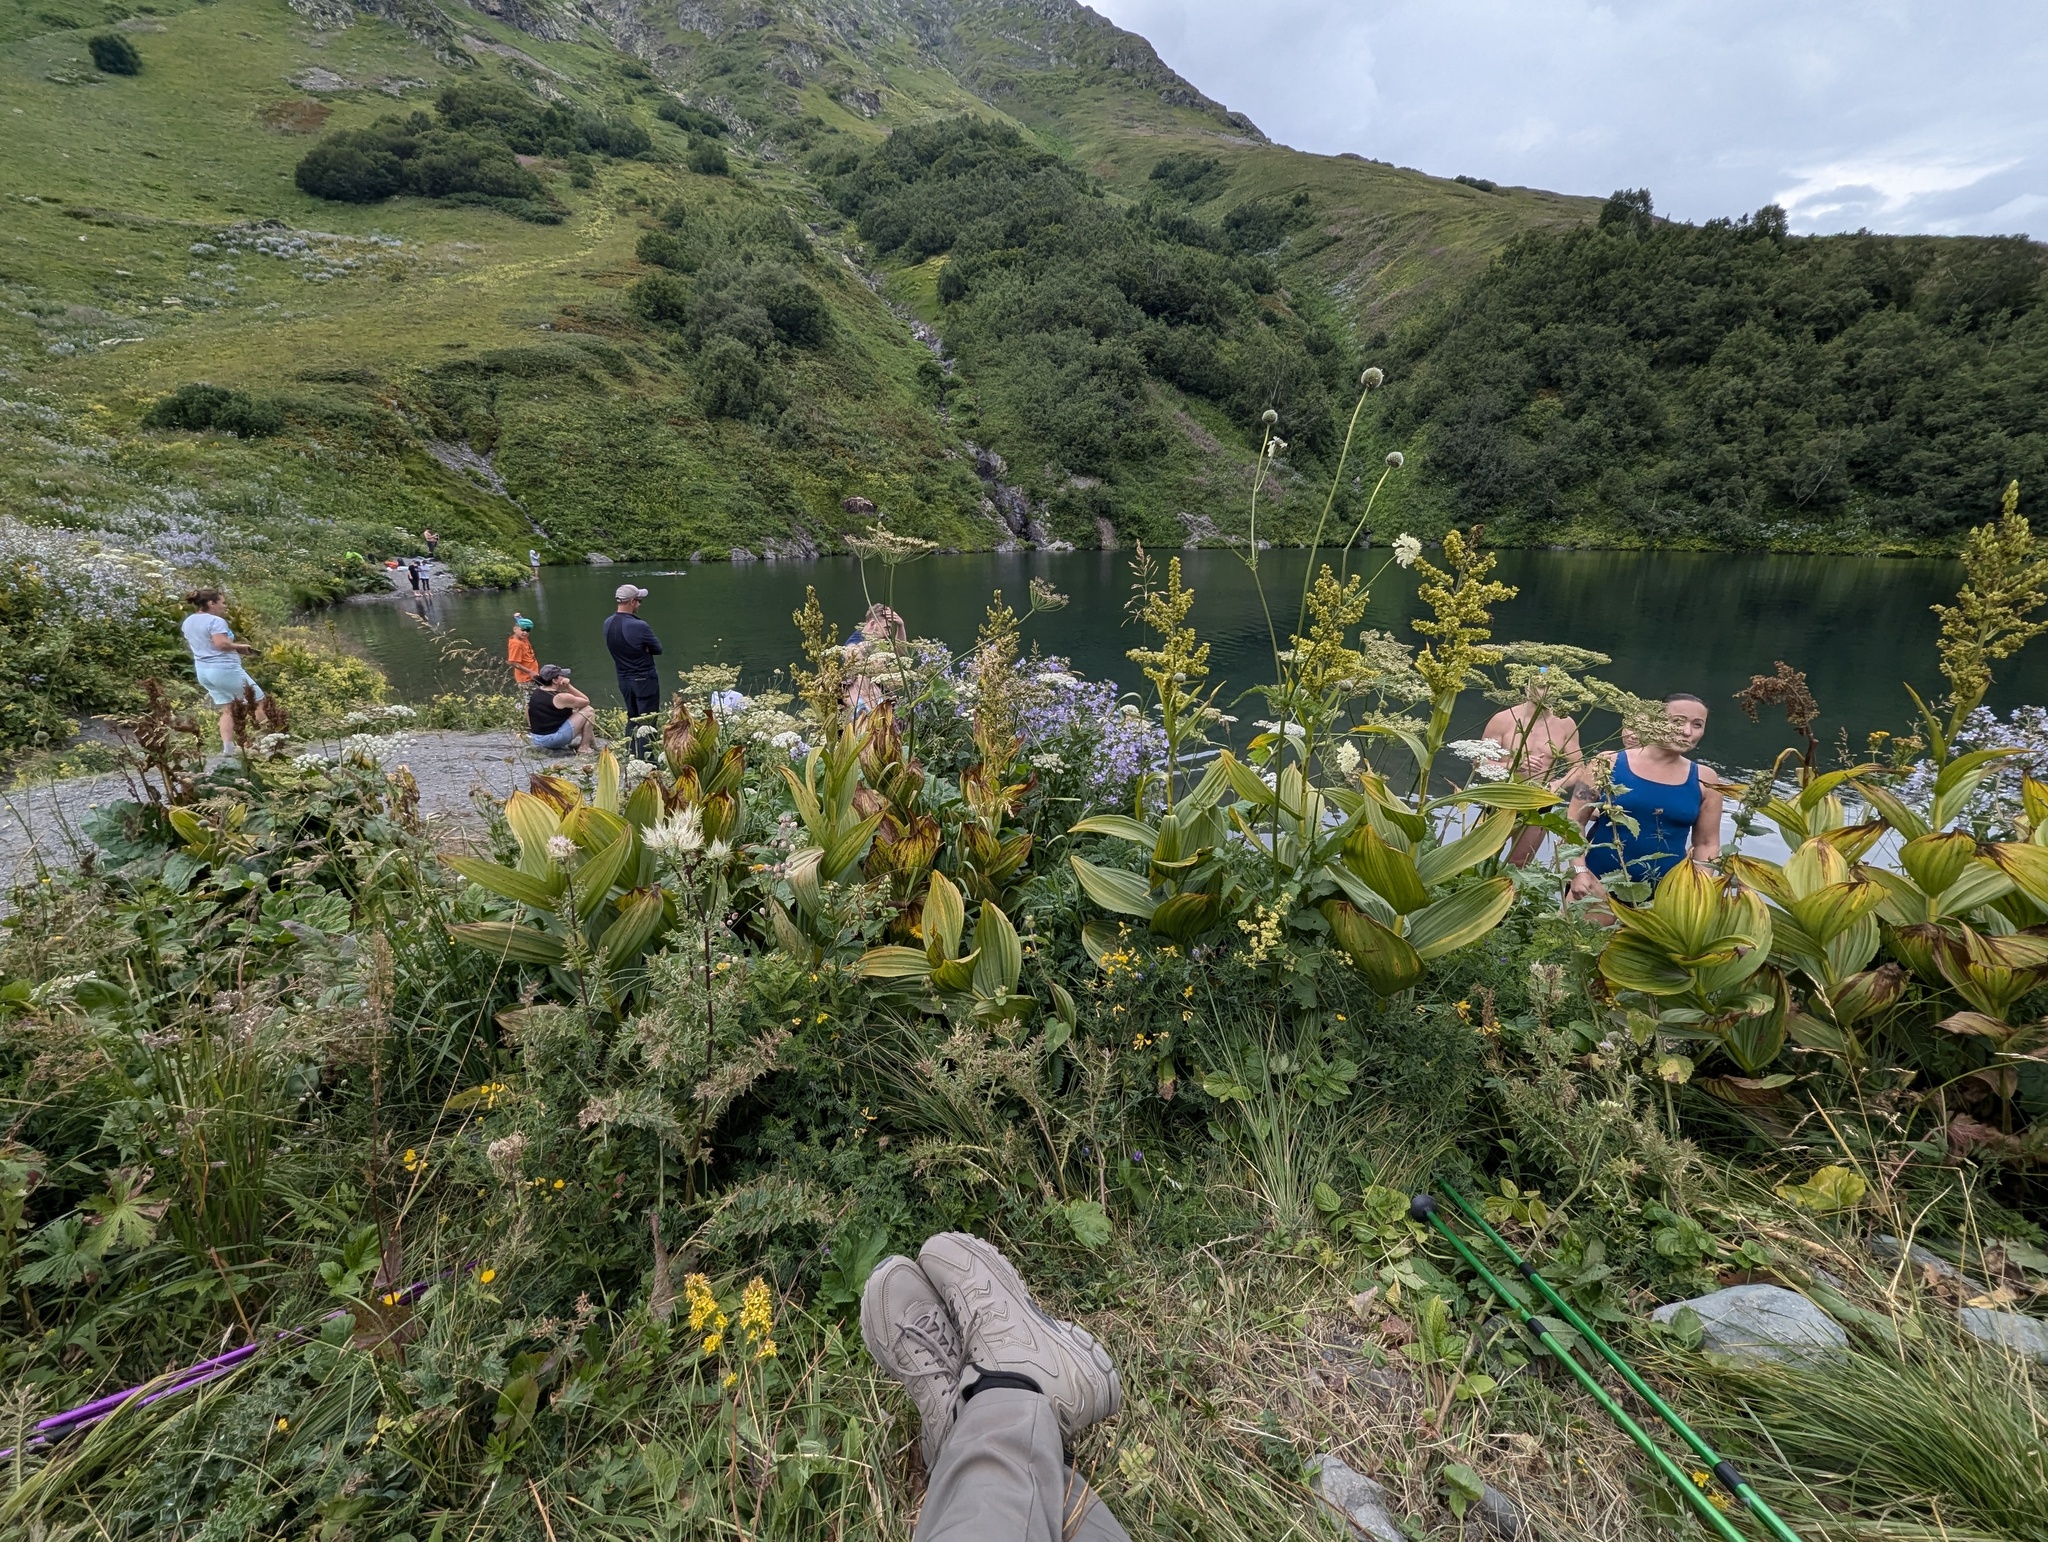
(1360, 1501)
(1761, 1323)
(2023, 1335)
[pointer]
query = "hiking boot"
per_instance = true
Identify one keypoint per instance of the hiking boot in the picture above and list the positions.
(1004, 1330)
(906, 1328)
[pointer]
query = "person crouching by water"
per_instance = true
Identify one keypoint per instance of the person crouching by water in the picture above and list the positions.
(1673, 801)
(217, 658)
(558, 716)
(519, 651)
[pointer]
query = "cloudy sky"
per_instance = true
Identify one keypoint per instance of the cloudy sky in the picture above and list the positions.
(1899, 115)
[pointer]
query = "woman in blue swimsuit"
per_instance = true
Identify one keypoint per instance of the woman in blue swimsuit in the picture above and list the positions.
(1673, 801)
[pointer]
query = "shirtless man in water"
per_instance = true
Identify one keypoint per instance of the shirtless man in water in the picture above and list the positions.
(1541, 747)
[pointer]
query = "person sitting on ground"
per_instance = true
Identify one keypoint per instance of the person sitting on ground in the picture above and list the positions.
(519, 651)
(1673, 802)
(1540, 746)
(217, 658)
(558, 716)
(999, 1387)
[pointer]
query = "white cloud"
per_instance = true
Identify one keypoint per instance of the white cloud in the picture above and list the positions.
(1718, 106)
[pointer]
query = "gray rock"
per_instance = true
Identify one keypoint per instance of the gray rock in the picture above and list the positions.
(597, 559)
(1888, 1247)
(2023, 1335)
(1360, 1501)
(1498, 1513)
(1761, 1322)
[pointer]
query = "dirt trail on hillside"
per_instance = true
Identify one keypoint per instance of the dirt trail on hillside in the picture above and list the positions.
(40, 826)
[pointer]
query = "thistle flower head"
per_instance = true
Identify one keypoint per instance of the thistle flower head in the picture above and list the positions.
(1396, 459)
(1406, 550)
(1269, 417)
(1372, 378)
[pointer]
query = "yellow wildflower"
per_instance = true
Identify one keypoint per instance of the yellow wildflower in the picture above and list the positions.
(486, 1276)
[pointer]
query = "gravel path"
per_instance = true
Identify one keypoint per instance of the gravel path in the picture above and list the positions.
(39, 825)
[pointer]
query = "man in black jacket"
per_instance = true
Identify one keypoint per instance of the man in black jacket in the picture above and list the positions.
(633, 648)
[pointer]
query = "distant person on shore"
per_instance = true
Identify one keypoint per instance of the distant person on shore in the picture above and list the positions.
(412, 571)
(1539, 746)
(433, 543)
(519, 651)
(533, 561)
(634, 648)
(558, 716)
(1673, 801)
(217, 658)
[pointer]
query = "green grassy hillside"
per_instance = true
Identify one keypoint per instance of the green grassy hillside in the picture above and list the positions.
(455, 365)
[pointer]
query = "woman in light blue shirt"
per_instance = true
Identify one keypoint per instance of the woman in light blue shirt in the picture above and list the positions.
(217, 658)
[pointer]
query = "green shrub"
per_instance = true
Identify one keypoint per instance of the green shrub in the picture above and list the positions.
(113, 54)
(663, 297)
(662, 250)
(731, 382)
(317, 683)
(198, 407)
(707, 124)
(482, 567)
(81, 626)
(708, 156)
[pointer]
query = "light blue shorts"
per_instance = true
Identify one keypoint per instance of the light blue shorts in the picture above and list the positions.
(225, 680)
(560, 739)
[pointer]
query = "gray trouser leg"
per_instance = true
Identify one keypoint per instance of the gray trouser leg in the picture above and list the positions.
(1002, 1478)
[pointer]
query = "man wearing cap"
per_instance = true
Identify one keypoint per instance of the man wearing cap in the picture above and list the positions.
(633, 647)
(558, 716)
(519, 651)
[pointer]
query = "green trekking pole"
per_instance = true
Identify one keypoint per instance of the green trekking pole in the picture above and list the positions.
(1720, 1466)
(1424, 1208)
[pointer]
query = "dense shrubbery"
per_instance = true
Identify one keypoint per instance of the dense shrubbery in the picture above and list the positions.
(318, 683)
(113, 54)
(1729, 385)
(199, 407)
(81, 625)
(468, 155)
(1066, 311)
(483, 567)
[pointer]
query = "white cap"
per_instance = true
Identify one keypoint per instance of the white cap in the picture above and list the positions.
(629, 592)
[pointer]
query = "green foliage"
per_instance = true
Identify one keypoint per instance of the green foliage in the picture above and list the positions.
(1069, 313)
(707, 157)
(483, 567)
(317, 682)
(1727, 384)
(198, 407)
(113, 54)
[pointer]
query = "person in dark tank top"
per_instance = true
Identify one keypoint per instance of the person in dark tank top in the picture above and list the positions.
(1672, 800)
(558, 716)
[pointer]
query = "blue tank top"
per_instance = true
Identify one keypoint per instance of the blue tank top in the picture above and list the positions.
(1664, 814)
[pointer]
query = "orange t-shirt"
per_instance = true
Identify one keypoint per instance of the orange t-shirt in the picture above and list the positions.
(519, 654)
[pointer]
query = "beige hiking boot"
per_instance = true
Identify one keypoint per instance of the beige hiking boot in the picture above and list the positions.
(907, 1329)
(1004, 1330)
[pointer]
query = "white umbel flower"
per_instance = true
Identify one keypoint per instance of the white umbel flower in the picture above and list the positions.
(561, 848)
(682, 833)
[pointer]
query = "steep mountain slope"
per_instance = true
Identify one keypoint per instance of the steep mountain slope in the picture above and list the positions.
(440, 360)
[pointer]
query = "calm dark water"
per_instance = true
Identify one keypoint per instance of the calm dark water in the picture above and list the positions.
(1700, 622)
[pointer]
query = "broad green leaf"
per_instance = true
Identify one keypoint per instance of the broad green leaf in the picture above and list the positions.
(1956, 782)
(604, 792)
(1088, 1221)
(1981, 883)
(1819, 788)
(1209, 791)
(1244, 781)
(644, 808)
(1388, 961)
(1828, 1191)
(2025, 864)
(603, 872)
(1936, 861)
(1826, 915)
(1896, 814)
(592, 828)
(506, 940)
(1121, 826)
(1001, 958)
(1518, 797)
(956, 975)
(1184, 917)
(509, 883)
(640, 915)
(1482, 842)
(945, 914)
(1767, 878)
(1099, 939)
(1461, 919)
(1634, 962)
(847, 848)
(894, 963)
(1854, 841)
(1114, 889)
(1063, 1006)
(534, 823)
(1389, 873)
